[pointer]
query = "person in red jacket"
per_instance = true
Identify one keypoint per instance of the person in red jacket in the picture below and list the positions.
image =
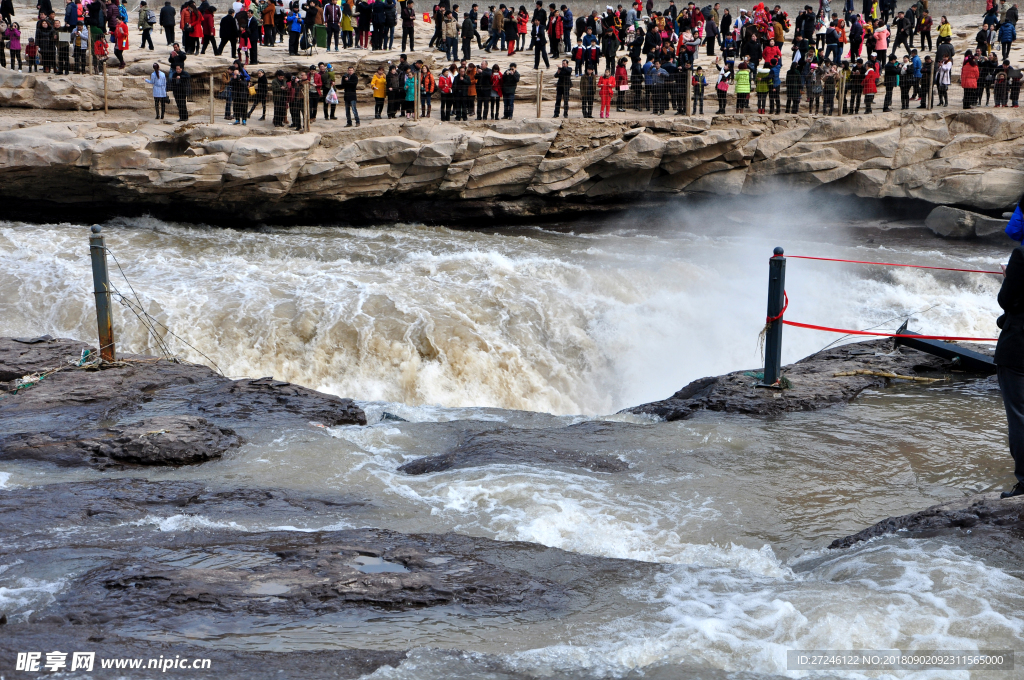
(605, 88)
(121, 41)
(556, 27)
(428, 86)
(495, 91)
(621, 84)
(444, 84)
(969, 81)
(209, 30)
(99, 49)
(870, 85)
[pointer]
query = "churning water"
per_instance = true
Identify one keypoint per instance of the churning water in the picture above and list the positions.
(541, 327)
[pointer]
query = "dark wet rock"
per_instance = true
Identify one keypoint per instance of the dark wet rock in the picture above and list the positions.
(163, 440)
(813, 380)
(131, 572)
(269, 398)
(979, 512)
(224, 663)
(118, 502)
(142, 410)
(26, 356)
(574, 446)
(296, 575)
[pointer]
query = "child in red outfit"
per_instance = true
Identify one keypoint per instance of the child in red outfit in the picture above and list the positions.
(605, 87)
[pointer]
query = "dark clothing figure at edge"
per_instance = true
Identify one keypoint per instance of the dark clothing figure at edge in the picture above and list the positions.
(1010, 349)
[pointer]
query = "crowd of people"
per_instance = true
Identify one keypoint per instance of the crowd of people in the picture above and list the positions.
(641, 58)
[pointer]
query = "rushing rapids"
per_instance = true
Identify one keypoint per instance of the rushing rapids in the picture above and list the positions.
(695, 546)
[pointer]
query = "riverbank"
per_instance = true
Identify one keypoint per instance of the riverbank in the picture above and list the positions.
(434, 172)
(203, 561)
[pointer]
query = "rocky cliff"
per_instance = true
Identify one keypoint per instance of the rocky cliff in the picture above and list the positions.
(432, 171)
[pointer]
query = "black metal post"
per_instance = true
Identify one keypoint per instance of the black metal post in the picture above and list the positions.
(773, 334)
(101, 286)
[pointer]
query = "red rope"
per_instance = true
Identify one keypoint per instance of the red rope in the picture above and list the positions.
(894, 264)
(769, 319)
(847, 331)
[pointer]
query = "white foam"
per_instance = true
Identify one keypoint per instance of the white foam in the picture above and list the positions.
(26, 595)
(184, 522)
(427, 316)
(4, 478)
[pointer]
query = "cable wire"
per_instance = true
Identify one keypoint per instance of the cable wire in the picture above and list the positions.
(150, 323)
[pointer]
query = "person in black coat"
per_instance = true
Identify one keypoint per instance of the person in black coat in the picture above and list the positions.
(262, 91)
(540, 40)
(396, 94)
(1009, 356)
(253, 26)
(167, 21)
(467, 37)
(181, 88)
(228, 33)
(349, 84)
(378, 15)
(460, 93)
(563, 84)
(509, 82)
(483, 92)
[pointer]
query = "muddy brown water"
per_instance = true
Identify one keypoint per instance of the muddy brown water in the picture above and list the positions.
(445, 333)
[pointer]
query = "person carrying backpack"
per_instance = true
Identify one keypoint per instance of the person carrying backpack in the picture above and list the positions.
(147, 19)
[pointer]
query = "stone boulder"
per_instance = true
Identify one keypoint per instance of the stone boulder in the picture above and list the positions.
(958, 223)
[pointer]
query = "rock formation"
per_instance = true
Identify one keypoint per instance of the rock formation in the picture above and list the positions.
(73, 414)
(959, 223)
(813, 383)
(575, 446)
(436, 172)
(135, 576)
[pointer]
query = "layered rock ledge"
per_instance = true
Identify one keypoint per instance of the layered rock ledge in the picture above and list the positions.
(140, 411)
(438, 172)
(813, 382)
(137, 583)
(983, 525)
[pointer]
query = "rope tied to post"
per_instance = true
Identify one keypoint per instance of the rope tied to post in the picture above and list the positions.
(768, 321)
(785, 303)
(895, 264)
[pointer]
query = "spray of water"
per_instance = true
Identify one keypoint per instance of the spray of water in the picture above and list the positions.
(571, 322)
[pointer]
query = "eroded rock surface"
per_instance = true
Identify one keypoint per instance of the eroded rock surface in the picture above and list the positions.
(130, 572)
(813, 380)
(510, 169)
(574, 446)
(959, 223)
(140, 411)
(29, 512)
(984, 526)
(248, 664)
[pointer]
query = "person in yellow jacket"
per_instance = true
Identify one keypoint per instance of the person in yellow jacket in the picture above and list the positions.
(945, 31)
(742, 79)
(379, 85)
(348, 22)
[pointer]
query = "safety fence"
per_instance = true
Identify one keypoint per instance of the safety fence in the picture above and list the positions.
(582, 92)
(770, 338)
(684, 92)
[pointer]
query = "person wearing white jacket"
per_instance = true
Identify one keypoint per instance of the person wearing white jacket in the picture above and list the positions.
(159, 82)
(944, 79)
